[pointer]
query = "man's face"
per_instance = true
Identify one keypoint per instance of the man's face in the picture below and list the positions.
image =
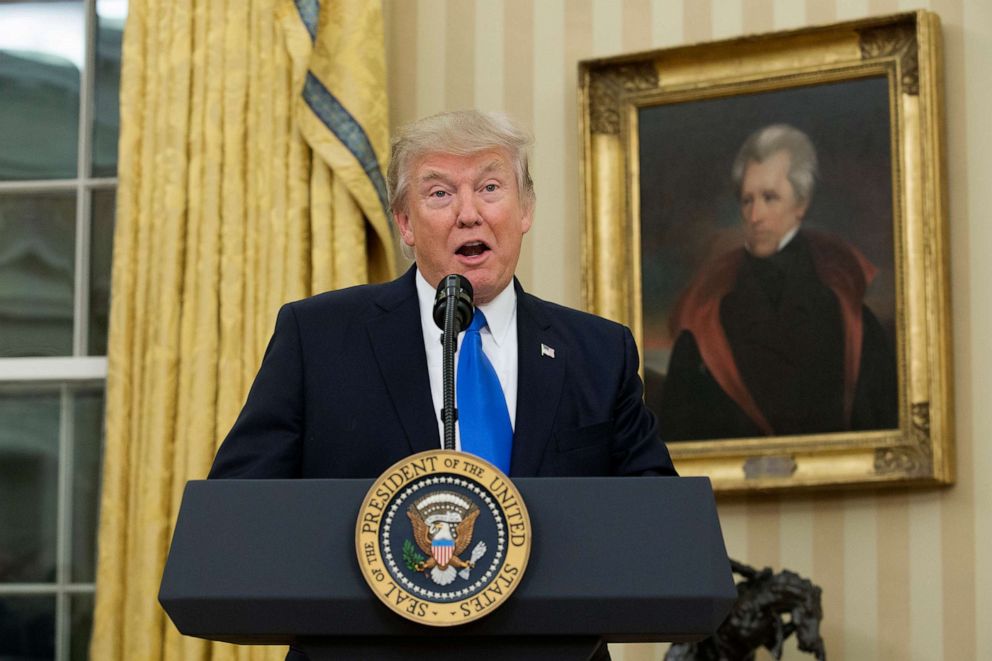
(769, 207)
(463, 214)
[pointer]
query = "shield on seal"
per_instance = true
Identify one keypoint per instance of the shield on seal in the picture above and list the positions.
(442, 549)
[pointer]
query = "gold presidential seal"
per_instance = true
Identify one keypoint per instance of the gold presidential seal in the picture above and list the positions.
(443, 538)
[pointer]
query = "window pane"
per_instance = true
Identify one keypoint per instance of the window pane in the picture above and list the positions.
(101, 251)
(41, 56)
(37, 262)
(80, 627)
(87, 442)
(29, 459)
(27, 628)
(110, 15)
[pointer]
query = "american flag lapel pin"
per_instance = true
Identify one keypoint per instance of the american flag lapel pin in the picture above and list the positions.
(547, 351)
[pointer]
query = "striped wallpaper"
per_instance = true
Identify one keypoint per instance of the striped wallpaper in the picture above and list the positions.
(905, 573)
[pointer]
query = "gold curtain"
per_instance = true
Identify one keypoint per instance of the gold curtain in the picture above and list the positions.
(253, 138)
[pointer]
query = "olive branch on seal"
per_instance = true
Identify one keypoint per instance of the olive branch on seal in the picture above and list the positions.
(411, 558)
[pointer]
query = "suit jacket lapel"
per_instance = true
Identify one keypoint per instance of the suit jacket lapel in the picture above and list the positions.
(539, 383)
(398, 342)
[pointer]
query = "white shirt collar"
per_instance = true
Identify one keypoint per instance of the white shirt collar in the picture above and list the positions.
(499, 311)
(787, 238)
(783, 242)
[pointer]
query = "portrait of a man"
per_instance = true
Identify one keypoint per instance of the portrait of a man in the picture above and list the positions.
(771, 223)
(773, 337)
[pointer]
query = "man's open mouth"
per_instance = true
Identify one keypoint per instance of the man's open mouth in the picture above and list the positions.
(472, 249)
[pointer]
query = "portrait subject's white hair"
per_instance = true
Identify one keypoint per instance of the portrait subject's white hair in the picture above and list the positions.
(763, 143)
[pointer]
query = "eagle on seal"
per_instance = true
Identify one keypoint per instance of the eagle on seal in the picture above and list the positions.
(442, 527)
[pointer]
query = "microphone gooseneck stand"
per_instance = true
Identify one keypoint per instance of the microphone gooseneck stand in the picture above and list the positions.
(449, 343)
(453, 312)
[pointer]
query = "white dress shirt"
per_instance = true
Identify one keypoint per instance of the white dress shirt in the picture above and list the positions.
(499, 343)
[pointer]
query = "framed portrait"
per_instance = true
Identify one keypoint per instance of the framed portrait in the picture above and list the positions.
(767, 214)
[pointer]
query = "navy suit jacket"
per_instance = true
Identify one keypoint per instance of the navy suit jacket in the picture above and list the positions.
(344, 392)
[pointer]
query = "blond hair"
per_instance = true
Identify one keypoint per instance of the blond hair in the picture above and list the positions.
(461, 133)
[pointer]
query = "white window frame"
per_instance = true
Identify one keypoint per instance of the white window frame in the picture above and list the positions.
(69, 372)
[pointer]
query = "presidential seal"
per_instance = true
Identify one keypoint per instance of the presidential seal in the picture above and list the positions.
(443, 538)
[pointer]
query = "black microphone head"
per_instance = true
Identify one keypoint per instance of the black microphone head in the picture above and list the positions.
(455, 288)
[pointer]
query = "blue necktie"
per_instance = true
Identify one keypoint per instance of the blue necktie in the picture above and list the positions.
(483, 419)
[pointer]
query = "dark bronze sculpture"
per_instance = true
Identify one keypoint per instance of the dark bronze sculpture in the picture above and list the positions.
(770, 607)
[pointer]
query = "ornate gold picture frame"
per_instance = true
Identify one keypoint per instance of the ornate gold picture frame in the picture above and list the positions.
(744, 394)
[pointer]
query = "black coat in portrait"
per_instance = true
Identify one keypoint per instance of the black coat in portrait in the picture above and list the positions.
(791, 348)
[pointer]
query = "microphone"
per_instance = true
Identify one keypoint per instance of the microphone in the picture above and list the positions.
(454, 290)
(453, 312)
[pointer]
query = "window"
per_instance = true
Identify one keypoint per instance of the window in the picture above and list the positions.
(59, 78)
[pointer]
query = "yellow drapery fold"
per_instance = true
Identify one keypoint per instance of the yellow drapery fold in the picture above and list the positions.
(234, 196)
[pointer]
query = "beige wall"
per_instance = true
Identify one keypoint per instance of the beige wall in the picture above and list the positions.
(905, 573)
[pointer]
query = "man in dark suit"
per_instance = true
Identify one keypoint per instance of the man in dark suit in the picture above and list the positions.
(351, 380)
(774, 338)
